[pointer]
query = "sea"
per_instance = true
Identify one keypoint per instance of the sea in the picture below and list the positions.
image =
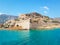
(30, 37)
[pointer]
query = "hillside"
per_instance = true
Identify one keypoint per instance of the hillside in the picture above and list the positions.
(5, 17)
(57, 19)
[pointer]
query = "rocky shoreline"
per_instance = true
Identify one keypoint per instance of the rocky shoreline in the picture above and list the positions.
(39, 28)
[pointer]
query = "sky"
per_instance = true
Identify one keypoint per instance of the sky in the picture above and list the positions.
(49, 8)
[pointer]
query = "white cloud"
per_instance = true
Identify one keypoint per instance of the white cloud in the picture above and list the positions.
(46, 7)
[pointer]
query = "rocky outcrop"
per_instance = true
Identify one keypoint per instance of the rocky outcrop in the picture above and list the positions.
(32, 21)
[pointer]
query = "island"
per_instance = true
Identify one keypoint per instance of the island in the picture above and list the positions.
(30, 21)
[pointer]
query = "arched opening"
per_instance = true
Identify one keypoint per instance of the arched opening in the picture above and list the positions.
(17, 25)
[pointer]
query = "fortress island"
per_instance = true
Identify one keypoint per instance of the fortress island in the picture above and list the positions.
(30, 21)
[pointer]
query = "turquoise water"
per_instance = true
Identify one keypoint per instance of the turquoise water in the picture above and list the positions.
(30, 37)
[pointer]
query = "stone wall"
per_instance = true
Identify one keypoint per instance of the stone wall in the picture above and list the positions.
(25, 24)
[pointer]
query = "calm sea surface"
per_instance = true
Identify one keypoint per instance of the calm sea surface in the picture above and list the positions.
(30, 37)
